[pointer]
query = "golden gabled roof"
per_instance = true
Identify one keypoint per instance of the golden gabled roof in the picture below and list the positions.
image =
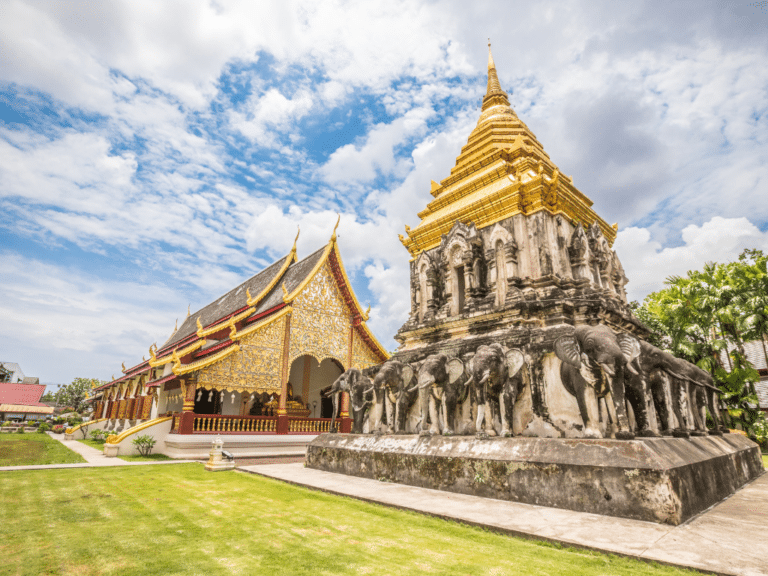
(503, 170)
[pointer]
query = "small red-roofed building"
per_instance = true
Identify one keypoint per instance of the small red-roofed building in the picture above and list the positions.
(19, 401)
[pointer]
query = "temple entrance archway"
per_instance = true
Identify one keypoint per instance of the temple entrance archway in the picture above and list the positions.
(308, 377)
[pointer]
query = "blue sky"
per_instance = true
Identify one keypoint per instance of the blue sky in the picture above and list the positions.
(153, 155)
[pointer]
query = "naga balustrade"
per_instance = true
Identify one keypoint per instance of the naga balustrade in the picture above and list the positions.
(218, 424)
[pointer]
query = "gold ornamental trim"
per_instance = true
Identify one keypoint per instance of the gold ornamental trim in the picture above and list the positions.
(76, 428)
(263, 324)
(290, 297)
(290, 259)
(179, 368)
(376, 342)
(123, 435)
(155, 362)
(202, 332)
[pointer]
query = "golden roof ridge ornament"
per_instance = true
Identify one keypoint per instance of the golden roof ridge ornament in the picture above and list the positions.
(123, 367)
(188, 310)
(333, 236)
(298, 231)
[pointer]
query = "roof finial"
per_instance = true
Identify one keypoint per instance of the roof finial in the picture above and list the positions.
(333, 236)
(188, 311)
(298, 231)
(490, 56)
(494, 95)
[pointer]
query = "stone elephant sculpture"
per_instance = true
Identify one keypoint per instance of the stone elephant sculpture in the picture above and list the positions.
(676, 387)
(702, 394)
(360, 390)
(441, 389)
(594, 360)
(495, 374)
(394, 395)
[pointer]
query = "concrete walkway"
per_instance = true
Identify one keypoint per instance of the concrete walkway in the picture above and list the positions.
(93, 458)
(729, 538)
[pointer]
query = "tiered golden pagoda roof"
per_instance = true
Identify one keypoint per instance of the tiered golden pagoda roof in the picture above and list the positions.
(502, 171)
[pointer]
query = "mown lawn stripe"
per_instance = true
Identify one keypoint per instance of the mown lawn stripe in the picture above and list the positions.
(179, 519)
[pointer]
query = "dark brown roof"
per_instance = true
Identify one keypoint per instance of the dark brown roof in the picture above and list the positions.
(230, 302)
(296, 272)
(236, 299)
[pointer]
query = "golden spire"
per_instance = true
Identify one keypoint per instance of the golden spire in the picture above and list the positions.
(188, 312)
(123, 366)
(494, 95)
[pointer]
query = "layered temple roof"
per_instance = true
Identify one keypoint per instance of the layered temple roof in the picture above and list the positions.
(503, 170)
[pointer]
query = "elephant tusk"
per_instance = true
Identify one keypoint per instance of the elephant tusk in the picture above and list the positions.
(608, 370)
(632, 369)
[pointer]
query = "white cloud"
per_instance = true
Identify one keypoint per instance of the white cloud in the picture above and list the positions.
(80, 319)
(647, 264)
(377, 154)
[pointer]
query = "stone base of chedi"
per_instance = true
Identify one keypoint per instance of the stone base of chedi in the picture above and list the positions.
(664, 480)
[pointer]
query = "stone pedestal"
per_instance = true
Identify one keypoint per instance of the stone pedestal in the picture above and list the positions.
(216, 461)
(111, 450)
(664, 480)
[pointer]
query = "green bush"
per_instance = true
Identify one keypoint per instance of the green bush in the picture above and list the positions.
(20, 429)
(43, 428)
(144, 444)
(59, 429)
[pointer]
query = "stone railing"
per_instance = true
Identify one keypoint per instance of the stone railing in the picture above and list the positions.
(214, 423)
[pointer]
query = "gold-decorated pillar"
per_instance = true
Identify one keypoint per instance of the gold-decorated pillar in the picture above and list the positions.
(186, 424)
(285, 370)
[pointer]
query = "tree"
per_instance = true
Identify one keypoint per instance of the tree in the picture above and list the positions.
(717, 309)
(76, 393)
(48, 397)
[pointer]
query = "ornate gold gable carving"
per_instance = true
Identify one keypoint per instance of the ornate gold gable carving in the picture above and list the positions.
(320, 321)
(254, 368)
(362, 355)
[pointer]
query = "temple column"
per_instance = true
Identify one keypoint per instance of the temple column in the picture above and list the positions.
(188, 411)
(285, 368)
(346, 421)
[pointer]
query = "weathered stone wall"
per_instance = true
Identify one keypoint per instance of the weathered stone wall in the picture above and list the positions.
(665, 480)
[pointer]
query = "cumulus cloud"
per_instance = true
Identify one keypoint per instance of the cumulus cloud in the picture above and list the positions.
(647, 263)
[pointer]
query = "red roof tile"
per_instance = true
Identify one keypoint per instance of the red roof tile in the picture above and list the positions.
(27, 394)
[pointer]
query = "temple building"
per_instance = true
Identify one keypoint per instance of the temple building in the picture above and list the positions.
(252, 362)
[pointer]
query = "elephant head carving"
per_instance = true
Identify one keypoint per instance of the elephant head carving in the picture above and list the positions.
(496, 377)
(441, 387)
(360, 389)
(594, 360)
(392, 385)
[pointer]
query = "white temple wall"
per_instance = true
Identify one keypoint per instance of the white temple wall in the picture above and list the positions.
(321, 377)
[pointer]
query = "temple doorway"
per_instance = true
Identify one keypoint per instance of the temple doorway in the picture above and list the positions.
(308, 378)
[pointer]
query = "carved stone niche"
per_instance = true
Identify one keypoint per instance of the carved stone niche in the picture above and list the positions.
(579, 254)
(502, 262)
(601, 257)
(464, 267)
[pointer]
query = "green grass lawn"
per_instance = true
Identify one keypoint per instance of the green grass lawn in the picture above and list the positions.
(180, 519)
(34, 448)
(765, 460)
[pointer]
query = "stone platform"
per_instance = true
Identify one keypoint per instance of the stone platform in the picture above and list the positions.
(664, 480)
